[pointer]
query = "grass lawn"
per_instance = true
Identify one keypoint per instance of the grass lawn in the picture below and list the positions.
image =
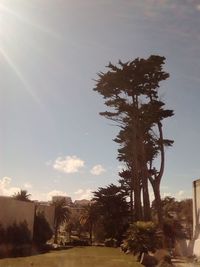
(75, 257)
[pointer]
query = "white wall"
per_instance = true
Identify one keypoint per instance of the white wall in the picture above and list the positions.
(196, 217)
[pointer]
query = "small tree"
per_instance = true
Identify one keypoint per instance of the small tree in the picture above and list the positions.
(112, 211)
(22, 195)
(42, 231)
(140, 236)
(2, 234)
(61, 215)
(88, 219)
(177, 218)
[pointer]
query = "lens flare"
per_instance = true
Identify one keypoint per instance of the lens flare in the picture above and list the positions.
(13, 41)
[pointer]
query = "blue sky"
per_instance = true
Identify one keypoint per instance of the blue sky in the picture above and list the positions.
(52, 139)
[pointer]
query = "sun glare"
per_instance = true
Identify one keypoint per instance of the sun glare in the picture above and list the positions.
(12, 39)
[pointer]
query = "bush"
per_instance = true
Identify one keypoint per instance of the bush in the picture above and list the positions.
(140, 236)
(42, 231)
(173, 230)
(110, 242)
(2, 235)
(78, 242)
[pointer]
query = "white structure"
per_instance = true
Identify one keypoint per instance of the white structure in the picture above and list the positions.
(196, 217)
(82, 202)
(68, 200)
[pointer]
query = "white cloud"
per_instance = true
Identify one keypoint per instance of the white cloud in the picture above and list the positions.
(69, 164)
(79, 191)
(28, 185)
(166, 194)
(6, 189)
(181, 195)
(84, 194)
(97, 170)
(48, 163)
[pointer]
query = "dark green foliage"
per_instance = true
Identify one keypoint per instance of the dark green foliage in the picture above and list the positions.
(186, 216)
(61, 215)
(166, 262)
(177, 218)
(18, 234)
(130, 91)
(140, 236)
(2, 235)
(173, 230)
(88, 219)
(78, 242)
(110, 242)
(22, 195)
(99, 232)
(42, 231)
(112, 210)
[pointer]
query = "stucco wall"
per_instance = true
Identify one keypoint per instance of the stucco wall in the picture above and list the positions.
(12, 210)
(196, 217)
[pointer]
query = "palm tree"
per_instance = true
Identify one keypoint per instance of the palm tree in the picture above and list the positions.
(88, 218)
(61, 215)
(22, 195)
(68, 228)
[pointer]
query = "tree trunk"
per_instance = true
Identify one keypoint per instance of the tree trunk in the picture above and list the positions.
(144, 177)
(135, 169)
(146, 201)
(131, 203)
(155, 182)
(137, 199)
(56, 235)
(156, 190)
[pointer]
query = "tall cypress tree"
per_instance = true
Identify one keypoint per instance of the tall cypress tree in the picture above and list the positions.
(131, 91)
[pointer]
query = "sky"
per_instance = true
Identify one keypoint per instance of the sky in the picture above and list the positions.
(52, 139)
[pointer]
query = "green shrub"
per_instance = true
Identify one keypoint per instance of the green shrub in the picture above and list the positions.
(2, 235)
(110, 242)
(42, 231)
(78, 242)
(140, 236)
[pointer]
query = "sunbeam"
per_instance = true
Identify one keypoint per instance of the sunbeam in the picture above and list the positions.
(15, 15)
(14, 68)
(10, 40)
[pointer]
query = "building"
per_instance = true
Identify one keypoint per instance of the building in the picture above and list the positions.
(68, 200)
(196, 217)
(82, 202)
